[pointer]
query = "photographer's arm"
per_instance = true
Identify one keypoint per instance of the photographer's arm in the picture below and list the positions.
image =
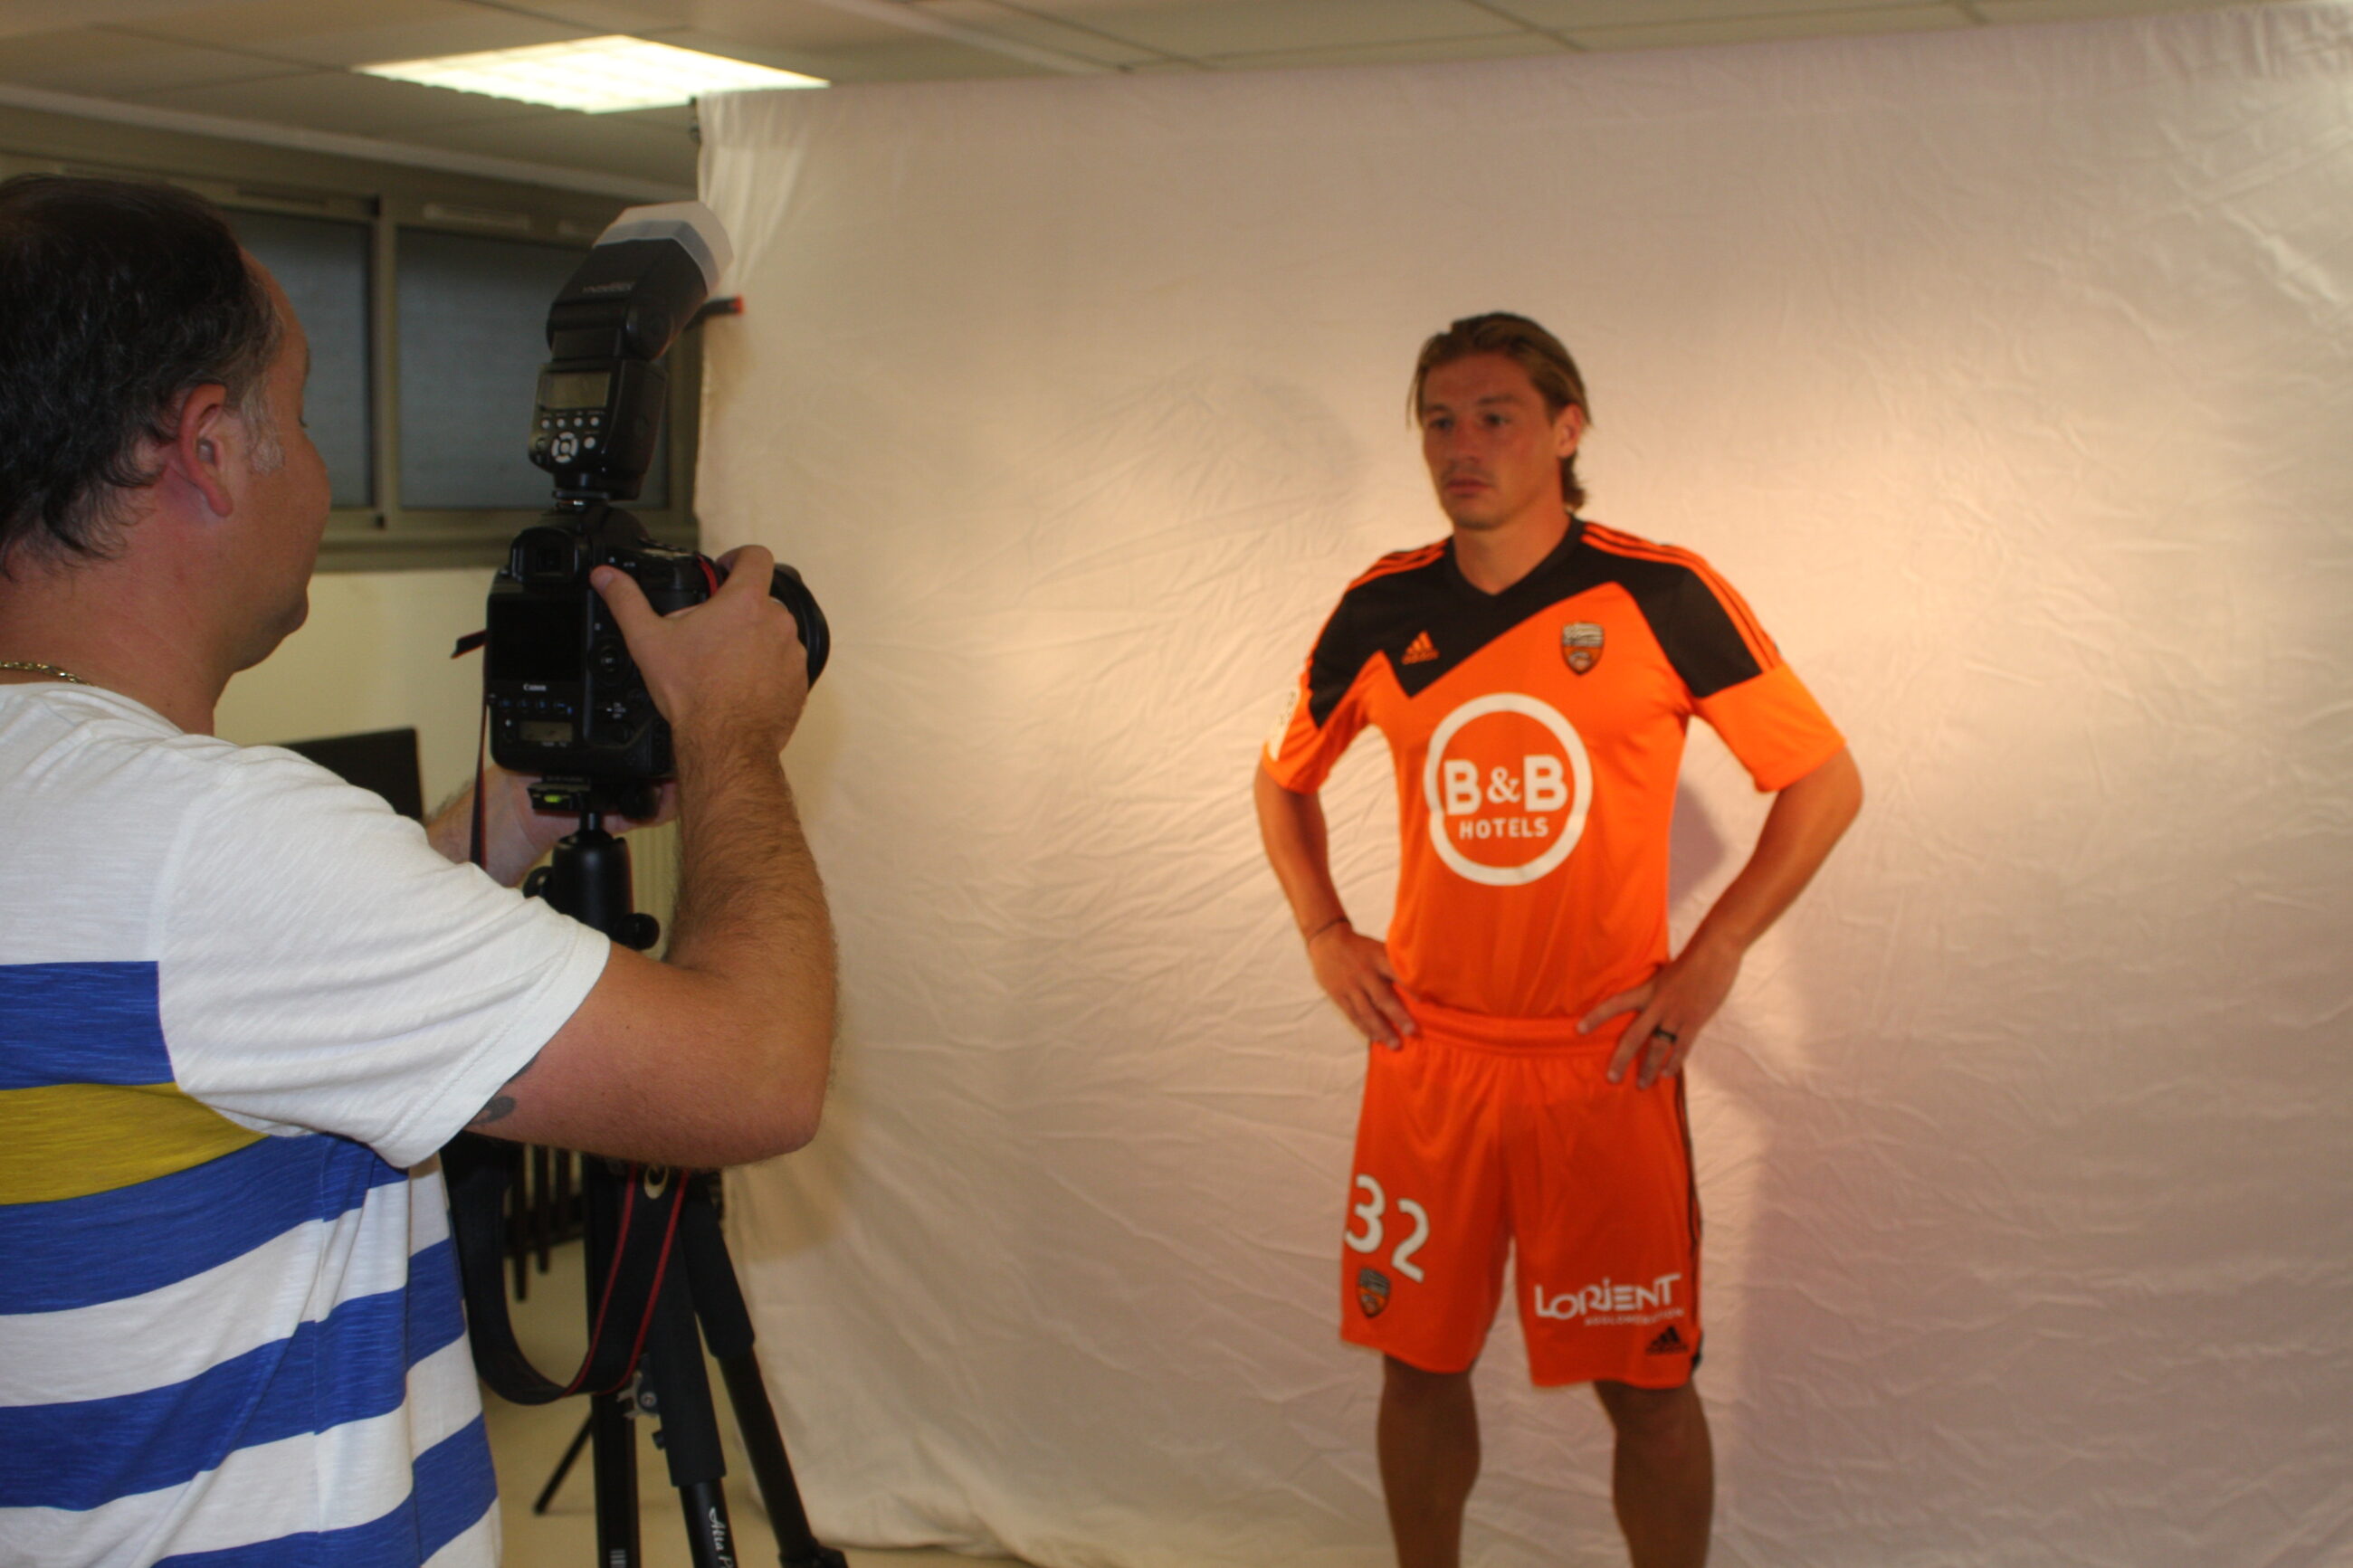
(718, 1053)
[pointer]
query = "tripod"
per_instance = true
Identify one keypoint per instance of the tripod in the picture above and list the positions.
(652, 1238)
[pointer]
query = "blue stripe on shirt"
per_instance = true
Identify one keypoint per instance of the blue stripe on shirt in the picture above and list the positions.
(450, 1486)
(80, 1023)
(349, 1366)
(78, 1252)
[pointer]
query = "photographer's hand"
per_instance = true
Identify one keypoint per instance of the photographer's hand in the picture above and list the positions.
(514, 836)
(732, 665)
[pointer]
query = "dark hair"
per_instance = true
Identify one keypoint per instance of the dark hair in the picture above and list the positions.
(121, 299)
(1534, 350)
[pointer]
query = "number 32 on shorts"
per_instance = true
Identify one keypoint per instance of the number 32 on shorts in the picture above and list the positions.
(1370, 1211)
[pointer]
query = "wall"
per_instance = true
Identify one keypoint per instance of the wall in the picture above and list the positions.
(375, 655)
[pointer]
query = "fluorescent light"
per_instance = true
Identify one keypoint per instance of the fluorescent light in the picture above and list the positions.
(597, 76)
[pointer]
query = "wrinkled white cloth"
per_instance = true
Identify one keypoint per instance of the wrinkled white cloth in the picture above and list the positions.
(2008, 371)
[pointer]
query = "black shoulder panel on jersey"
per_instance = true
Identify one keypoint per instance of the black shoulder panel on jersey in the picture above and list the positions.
(1690, 622)
(1427, 620)
(1381, 614)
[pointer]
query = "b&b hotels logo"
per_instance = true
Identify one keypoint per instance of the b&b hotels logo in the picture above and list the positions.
(1508, 786)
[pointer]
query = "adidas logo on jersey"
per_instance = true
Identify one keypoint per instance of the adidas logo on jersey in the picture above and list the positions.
(1421, 650)
(1669, 1342)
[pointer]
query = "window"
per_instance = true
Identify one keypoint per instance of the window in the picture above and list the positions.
(322, 264)
(473, 320)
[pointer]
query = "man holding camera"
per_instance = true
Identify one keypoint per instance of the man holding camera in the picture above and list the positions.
(241, 1000)
(1533, 674)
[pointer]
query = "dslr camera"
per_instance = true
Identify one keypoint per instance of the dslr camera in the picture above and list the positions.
(566, 700)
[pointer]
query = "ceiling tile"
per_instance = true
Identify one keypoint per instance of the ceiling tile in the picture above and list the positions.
(2084, 10)
(103, 64)
(1207, 28)
(903, 57)
(358, 32)
(617, 16)
(338, 100)
(55, 15)
(608, 144)
(1493, 47)
(776, 24)
(1758, 30)
(1575, 13)
(1079, 39)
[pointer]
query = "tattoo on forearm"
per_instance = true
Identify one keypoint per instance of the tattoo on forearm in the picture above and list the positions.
(501, 1106)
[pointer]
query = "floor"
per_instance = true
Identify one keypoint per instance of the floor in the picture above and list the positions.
(528, 1441)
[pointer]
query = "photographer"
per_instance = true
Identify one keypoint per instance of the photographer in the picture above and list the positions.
(239, 999)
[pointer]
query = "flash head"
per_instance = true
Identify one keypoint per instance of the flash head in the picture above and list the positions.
(599, 413)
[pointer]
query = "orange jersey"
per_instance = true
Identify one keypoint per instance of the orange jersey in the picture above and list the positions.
(1536, 735)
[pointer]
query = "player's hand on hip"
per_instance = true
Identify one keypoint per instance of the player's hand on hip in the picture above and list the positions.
(1670, 1010)
(1355, 973)
(732, 664)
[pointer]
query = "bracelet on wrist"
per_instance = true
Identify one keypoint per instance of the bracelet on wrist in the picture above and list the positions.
(1309, 940)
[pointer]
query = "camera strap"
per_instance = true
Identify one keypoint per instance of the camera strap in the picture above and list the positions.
(482, 761)
(477, 1169)
(466, 645)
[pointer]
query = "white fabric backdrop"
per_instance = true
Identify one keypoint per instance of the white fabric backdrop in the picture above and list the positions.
(2007, 372)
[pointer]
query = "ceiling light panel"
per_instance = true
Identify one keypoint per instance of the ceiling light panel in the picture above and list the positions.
(597, 76)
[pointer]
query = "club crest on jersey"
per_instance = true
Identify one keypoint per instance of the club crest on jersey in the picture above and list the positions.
(1372, 1291)
(1580, 646)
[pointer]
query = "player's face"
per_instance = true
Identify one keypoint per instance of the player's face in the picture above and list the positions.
(1492, 448)
(289, 501)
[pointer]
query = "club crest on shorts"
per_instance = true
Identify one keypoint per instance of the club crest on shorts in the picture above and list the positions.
(1580, 645)
(1372, 1291)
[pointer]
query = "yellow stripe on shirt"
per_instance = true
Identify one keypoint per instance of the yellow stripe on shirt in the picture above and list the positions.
(70, 1140)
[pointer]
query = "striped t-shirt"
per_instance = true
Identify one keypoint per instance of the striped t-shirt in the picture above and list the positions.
(238, 999)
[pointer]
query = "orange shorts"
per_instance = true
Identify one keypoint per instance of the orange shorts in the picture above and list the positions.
(1485, 1132)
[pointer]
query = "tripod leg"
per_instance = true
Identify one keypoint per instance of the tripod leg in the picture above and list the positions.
(564, 1465)
(615, 1467)
(690, 1426)
(719, 1301)
(612, 1432)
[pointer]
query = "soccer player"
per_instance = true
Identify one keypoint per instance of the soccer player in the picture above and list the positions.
(1533, 674)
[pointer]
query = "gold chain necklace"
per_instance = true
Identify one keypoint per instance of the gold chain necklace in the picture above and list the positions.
(39, 668)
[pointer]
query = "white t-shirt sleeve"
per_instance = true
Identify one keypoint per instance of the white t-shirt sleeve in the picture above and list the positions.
(320, 966)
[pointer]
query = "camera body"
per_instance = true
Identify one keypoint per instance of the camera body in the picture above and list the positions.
(566, 702)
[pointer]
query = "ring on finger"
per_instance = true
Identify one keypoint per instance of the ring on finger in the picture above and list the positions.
(1667, 1035)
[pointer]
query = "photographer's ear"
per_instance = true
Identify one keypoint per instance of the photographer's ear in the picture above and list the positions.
(196, 455)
